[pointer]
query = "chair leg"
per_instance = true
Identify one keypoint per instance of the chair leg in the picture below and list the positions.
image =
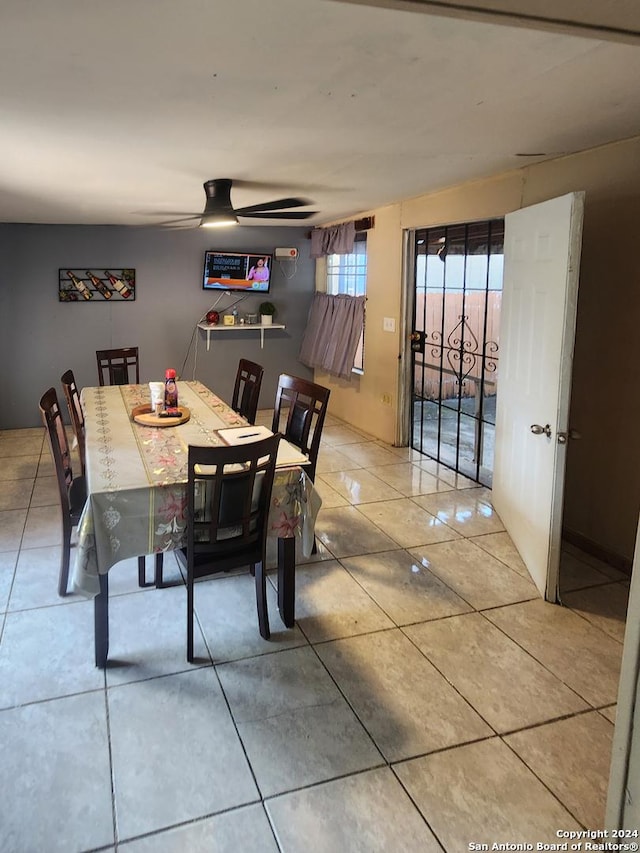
(190, 620)
(287, 580)
(157, 572)
(101, 622)
(159, 562)
(261, 600)
(63, 577)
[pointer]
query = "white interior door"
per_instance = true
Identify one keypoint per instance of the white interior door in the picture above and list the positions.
(537, 328)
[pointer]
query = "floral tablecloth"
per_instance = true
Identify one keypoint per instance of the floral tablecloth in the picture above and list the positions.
(137, 479)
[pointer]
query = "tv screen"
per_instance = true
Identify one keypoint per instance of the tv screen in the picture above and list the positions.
(248, 272)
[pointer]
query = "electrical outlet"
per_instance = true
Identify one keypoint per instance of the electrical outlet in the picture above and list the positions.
(389, 324)
(386, 399)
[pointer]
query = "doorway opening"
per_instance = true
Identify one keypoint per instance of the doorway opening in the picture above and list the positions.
(455, 347)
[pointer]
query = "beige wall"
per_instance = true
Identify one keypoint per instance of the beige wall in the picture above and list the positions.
(602, 497)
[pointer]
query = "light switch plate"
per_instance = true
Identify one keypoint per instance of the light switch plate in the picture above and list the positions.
(389, 324)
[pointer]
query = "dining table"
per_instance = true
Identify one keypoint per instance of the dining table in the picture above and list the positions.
(137, 490)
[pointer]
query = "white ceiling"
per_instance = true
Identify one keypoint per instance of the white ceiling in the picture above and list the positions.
(117, 112)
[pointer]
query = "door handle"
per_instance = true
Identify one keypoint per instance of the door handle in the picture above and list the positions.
(417, 341)
(536, 429)
(573, 434)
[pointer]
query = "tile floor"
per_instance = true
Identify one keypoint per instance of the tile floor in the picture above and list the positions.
(426, 699)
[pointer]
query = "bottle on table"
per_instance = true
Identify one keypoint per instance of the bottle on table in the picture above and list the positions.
(170, 389)
(118, 285)
(80, 286)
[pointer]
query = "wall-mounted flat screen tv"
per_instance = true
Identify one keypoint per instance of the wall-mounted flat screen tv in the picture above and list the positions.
(249, 272)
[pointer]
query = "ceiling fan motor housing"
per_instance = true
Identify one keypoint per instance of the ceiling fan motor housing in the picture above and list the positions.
(218, 193)
(219, 210)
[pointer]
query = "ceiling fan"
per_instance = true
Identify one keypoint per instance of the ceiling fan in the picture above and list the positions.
(219, 211)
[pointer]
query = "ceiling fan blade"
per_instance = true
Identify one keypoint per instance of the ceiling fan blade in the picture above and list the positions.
(183, 219)
(278, 204)
(297, 214)
(165, 213)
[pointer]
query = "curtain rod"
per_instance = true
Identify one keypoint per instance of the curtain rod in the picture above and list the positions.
(364, 224)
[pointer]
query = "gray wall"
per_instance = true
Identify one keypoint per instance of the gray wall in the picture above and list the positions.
(41, 337)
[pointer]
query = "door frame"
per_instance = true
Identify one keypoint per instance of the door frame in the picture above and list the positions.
(623, 797)
(405, 390)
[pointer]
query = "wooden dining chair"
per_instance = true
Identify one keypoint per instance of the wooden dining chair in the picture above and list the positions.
(76, 414)
(299, 414)
(228, 497)
(246, 391)
(121, 366)
(72, 490)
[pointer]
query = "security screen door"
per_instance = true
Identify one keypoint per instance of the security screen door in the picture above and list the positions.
(455, 344)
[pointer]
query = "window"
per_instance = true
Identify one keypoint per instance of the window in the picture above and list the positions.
(347, 274)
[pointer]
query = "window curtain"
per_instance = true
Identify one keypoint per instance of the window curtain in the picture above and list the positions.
(333, 331)
(336, 240)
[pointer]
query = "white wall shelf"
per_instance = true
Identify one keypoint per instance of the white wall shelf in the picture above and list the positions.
(240, 327)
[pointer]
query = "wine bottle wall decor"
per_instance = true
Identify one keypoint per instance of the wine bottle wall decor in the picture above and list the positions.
(96, 284)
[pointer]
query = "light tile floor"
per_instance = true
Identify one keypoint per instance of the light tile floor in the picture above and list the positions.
(426, 699)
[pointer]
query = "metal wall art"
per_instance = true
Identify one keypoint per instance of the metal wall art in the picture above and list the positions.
(96, 285)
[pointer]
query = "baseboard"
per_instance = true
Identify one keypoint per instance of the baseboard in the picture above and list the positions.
(623, 564)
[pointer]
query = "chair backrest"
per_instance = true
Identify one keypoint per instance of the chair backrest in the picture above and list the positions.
(76, 414)
(52, 419)
(246, 391)
(304, 404)
(117, 364)
(228, 497)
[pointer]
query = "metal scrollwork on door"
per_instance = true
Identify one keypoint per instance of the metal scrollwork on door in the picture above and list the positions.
(462, 351)
(490, 353)
(434, 340)
(465, 356)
